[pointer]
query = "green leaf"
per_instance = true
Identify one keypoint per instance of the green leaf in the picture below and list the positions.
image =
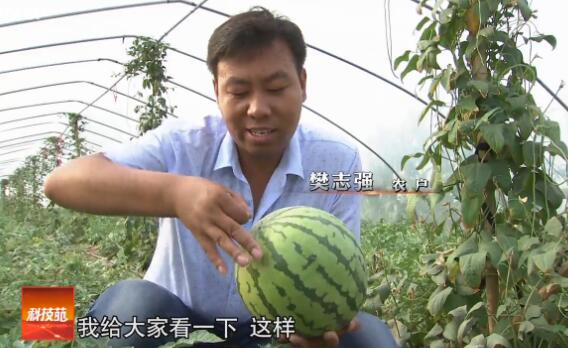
(438, 344)
(437, 300)
(465, 328)
(533, 153)
(472, 266)
(411, 66)
(494, 252)
(525, 125)
(525, 9)
(526, 243)
(471, 206)
(421, 23)
(506, 237)
(485, 118)
(401, 58)
(501, 174)
(524, 328)
(461, 4)
(481, 86)
(474, 308)
(476, 176)
(558, 149)
(545, 261)
(451, 331)
(454, 126)
(533, 311)
(434, 86)
(493, 134)
(487, 32)
(467, 106)
(459, 313)
(550, 129)
(517, 210)
(467, 247)
(434, 332)
(513, 56)
(405, 158)
(483, 11)
(477, 342)
(553, 227)
(433, 103)
(495, 339)
(446, 79)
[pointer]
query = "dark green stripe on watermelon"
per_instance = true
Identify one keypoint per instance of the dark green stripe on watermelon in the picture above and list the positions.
(254, 276)
(339, 227)
(281, 265)
(360, 283)
(350, 301)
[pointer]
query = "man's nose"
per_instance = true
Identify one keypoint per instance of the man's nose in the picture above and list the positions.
(258, 106)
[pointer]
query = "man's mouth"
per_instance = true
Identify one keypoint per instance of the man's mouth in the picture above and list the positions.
(261, 131)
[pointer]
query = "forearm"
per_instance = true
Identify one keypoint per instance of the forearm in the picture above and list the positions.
(95, 185)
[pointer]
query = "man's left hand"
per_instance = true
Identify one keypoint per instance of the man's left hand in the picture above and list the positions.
(328, 339)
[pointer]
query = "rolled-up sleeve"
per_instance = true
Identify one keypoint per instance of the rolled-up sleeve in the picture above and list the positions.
(347, 206)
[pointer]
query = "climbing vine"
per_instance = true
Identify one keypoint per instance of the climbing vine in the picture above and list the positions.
(148, 58)
(505, 284)
(76, 141)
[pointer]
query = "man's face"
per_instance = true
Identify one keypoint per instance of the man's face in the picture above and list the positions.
(260, 96)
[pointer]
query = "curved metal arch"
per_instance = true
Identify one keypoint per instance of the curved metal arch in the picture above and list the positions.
(75, 82)
(31, 117)
(125, 36)
(99, 60)
(12, 160)
(54, 114)
(36, 148)
(30, 141)
(67, 124)
(213, 100)
(69, 101)
(112, 8)
(27, 136)
(43, 138)
(85, 118)
(26, 126)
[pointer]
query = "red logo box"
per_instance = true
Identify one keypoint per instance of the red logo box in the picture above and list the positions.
(48, 313)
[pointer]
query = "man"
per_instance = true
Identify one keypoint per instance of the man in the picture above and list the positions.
(211, 179)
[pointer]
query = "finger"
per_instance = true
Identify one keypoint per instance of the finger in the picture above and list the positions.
(354, 325)
(227, 244)
(235, 207)
(211, 251)
(331, 338)
(298, 341)
(241, 236)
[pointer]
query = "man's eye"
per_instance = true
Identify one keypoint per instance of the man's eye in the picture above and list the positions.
(238, 94)
(276, 90)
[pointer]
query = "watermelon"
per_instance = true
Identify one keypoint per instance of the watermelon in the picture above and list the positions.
(312, 270)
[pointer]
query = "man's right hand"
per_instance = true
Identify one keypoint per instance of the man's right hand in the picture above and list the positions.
(214, 214)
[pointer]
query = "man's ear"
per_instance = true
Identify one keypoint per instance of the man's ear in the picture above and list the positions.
(303, 78)
(216, 88)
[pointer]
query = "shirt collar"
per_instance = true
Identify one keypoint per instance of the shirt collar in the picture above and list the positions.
(291, 162)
